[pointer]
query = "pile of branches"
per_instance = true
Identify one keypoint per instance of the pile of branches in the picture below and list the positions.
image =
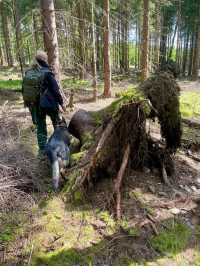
(19, 173)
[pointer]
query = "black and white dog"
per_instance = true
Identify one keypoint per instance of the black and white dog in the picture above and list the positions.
(57, 149)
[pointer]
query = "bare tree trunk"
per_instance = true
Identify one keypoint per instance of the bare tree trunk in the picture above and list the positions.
(36, 43)
(185, 54)
(93, 50)
(18, 35)
(81, 39)
(197, 57)
(156, 35)
(106, 50)
(50, 37)
(145, 40)
(172, 44)
(1, 54)
(191, 56)
(126, 39)
(178, 33)
(136, 45)
(194, 53)
(6, 33)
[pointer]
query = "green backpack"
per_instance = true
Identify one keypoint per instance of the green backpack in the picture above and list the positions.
(32, 87)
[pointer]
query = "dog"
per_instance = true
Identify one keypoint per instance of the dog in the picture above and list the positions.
(57, 149)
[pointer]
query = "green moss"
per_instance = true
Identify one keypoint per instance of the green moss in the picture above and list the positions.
(128, 96)
(74, 158)
(97, 118)
(172, 241)
(133, 232)
(87, 139)
(78, 197)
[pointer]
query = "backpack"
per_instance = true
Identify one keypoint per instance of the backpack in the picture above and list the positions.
(32, 87)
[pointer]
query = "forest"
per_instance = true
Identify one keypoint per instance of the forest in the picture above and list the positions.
(128, 73)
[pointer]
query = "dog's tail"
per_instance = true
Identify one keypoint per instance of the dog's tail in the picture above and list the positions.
(55, 168)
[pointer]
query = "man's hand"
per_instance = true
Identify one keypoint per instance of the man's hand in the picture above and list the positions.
(64, 108)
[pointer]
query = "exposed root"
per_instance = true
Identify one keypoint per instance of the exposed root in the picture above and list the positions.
(196, 158)
(99, 149)
(119, 180)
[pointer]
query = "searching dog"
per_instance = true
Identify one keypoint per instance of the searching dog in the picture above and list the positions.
(57, 149)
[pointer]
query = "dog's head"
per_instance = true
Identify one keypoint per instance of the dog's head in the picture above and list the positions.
(61, 124)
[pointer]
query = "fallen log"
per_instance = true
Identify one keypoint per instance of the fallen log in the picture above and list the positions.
(12, 90)
(190, 122)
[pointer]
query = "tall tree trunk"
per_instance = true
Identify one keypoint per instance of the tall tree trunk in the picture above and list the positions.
(1, 54)
(185, 54)
(6, 34)
(136, 45)
(106, 49)
(93, 50)
(178, 32)
(195, 53)
(156, 35)
(191, 56)
(50, 37)
(126, 40)
(172, 44)
(145, 40)
(20, 50)
(36, 41)
(81, 39)
(197, 57)
(98, 46)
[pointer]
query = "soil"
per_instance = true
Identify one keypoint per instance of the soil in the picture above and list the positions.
(132, 240)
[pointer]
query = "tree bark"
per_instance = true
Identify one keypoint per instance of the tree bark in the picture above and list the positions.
(156, 35)
(6, 34)
(178, 32)
(18, 35)
(50, 37)
(145, 40)
(81, 39)
(106, 49)
(93, 50)
(197, 57)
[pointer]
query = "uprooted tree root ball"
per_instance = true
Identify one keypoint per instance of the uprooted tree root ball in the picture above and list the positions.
(124, 128)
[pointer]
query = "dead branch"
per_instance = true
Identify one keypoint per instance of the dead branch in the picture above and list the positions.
(154, 228)
(194, 157)
(99, 148)
(138, 102)
(151, 218)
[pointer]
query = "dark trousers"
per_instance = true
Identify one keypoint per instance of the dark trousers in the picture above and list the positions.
(39, 119)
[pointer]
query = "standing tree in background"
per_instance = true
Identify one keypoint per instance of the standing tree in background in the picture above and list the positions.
(50, 37)
(196, 71)
(93, 50)
(178, 33)
(106, 49)
(156, 35)
(145, 40)
(6, 34)
(81, 26)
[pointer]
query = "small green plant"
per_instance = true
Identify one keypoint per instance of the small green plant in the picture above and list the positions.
(172, 241)
(5, 238)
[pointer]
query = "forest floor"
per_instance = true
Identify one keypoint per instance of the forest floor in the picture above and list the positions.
(44, 229)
